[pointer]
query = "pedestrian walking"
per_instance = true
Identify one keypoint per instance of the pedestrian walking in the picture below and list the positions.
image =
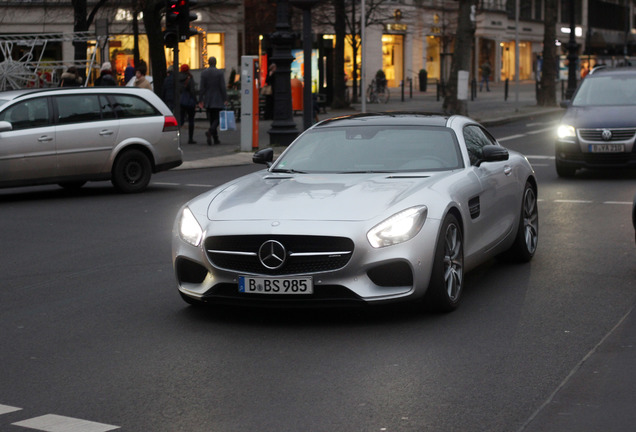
(486, 70)
(106, 78)
(140, 77)
(188, 99)
(70, 78)
(213, 97)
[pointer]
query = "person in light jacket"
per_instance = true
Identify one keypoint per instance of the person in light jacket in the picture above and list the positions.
(213, 97)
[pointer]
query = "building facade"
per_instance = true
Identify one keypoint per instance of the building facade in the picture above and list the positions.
(403, 37)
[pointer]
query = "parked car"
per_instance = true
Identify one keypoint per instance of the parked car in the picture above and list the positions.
(73, 135)
(598, 128)
(369, 208)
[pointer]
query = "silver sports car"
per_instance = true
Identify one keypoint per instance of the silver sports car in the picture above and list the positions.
(370, 208)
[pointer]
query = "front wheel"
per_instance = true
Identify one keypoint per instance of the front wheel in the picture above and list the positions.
(525, 245)
(131, 171)
(447, 277)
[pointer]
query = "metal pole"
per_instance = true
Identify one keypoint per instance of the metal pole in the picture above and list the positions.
(363, 68)
(572, 55)
(308, 101)
(517, 55)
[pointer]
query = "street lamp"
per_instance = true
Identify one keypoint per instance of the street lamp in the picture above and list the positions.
(306, 6)
(283, 130)
(573, 55)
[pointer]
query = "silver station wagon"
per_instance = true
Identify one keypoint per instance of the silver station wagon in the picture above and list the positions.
(74, 135)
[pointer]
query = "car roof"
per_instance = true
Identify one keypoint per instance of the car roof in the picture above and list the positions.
(603, 70)
(16, 94)
(388, 118)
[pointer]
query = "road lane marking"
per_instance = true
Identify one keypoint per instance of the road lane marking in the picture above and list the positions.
(538, 131)
(511, 137)
(56, 423)
(6, 409)
(573, 201)
(199, 185)
(617, 202)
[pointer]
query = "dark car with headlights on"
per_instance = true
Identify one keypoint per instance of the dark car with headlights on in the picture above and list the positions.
(364, 209)
(598, 129)
(72, 135)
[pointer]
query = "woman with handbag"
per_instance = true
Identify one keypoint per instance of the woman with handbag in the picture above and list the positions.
(188, 100)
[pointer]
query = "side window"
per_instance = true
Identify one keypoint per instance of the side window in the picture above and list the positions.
(28, 114)
(127, 106)
(78, 108)
(476, 139)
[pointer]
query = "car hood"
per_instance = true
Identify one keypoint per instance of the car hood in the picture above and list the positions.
(338, 197)
(601, 116)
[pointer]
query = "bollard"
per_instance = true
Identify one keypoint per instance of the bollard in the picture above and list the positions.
(410, 88)
(506, 90)
(473, 89)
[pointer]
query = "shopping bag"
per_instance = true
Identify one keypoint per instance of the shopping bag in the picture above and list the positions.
(227, 120)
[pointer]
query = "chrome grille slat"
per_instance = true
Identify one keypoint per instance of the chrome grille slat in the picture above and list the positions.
(595, 135)
(305, 254)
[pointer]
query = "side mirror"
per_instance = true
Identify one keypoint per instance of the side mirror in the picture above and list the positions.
(265, 156)
(493, 153)
(5, 126)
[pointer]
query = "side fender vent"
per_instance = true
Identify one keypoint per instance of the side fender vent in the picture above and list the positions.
(473, 207)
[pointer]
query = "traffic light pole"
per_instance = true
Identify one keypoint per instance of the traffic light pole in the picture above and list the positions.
(175, 83)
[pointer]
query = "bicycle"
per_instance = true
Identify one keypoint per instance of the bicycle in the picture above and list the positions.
(377, 92)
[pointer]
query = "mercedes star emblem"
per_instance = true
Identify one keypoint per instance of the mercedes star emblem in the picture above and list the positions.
(272, 254)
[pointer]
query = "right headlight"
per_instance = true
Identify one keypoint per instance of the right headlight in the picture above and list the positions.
(189, 229)
(398, 228)
(566, 132)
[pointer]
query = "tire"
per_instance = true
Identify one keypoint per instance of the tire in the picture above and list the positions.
(131, 171)
(525, 245)
(446, 285)
(563, 170)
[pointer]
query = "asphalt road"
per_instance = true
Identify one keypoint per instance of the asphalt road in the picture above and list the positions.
(94, 332)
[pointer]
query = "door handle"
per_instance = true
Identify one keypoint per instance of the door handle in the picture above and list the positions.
(106, 132)
(45, 138)
(507, 170)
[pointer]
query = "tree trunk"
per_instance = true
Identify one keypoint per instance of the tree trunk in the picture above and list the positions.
(339, 88)
(354, 50)
(80, 24)
(461, 57)
(548, 84)
(152, 21)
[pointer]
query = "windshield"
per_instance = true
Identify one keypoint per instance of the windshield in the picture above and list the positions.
(607, 90)
(3, 101)
(361, 149)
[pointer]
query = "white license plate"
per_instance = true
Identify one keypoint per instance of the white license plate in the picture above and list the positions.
(606, 148)
(273, 285)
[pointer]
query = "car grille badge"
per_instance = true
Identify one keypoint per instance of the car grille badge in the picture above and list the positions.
(606, 134)
(272, 254)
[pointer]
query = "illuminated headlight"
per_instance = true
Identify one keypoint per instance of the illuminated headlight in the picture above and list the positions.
(565, 131)
(398, 228)
(189, 229)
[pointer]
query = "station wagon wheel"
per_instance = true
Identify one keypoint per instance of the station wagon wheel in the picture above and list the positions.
(131, 171)
(527, 238)
(447, 277)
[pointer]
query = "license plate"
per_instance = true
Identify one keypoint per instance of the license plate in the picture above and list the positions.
(606, 148)
(270, 285)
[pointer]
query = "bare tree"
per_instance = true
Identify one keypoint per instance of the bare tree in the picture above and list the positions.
(152, 10)
(81, 23)
(461, 56)
(547, 91)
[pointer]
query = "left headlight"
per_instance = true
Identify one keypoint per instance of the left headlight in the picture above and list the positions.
(189, 229)
(566, 132)
(398, 228)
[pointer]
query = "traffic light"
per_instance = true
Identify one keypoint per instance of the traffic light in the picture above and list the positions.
(171, 35)
(185, 16)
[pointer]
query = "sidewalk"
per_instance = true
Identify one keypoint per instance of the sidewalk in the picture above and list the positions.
(488, 108)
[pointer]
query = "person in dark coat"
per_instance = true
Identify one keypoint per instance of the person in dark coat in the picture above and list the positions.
(188, 99)
(70, 78)
(106, 77)
(213, 97)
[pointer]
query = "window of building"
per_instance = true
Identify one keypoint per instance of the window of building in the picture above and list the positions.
(215, 47)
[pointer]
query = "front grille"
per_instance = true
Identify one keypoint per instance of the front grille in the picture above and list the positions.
(305, 254)
(597, 134)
